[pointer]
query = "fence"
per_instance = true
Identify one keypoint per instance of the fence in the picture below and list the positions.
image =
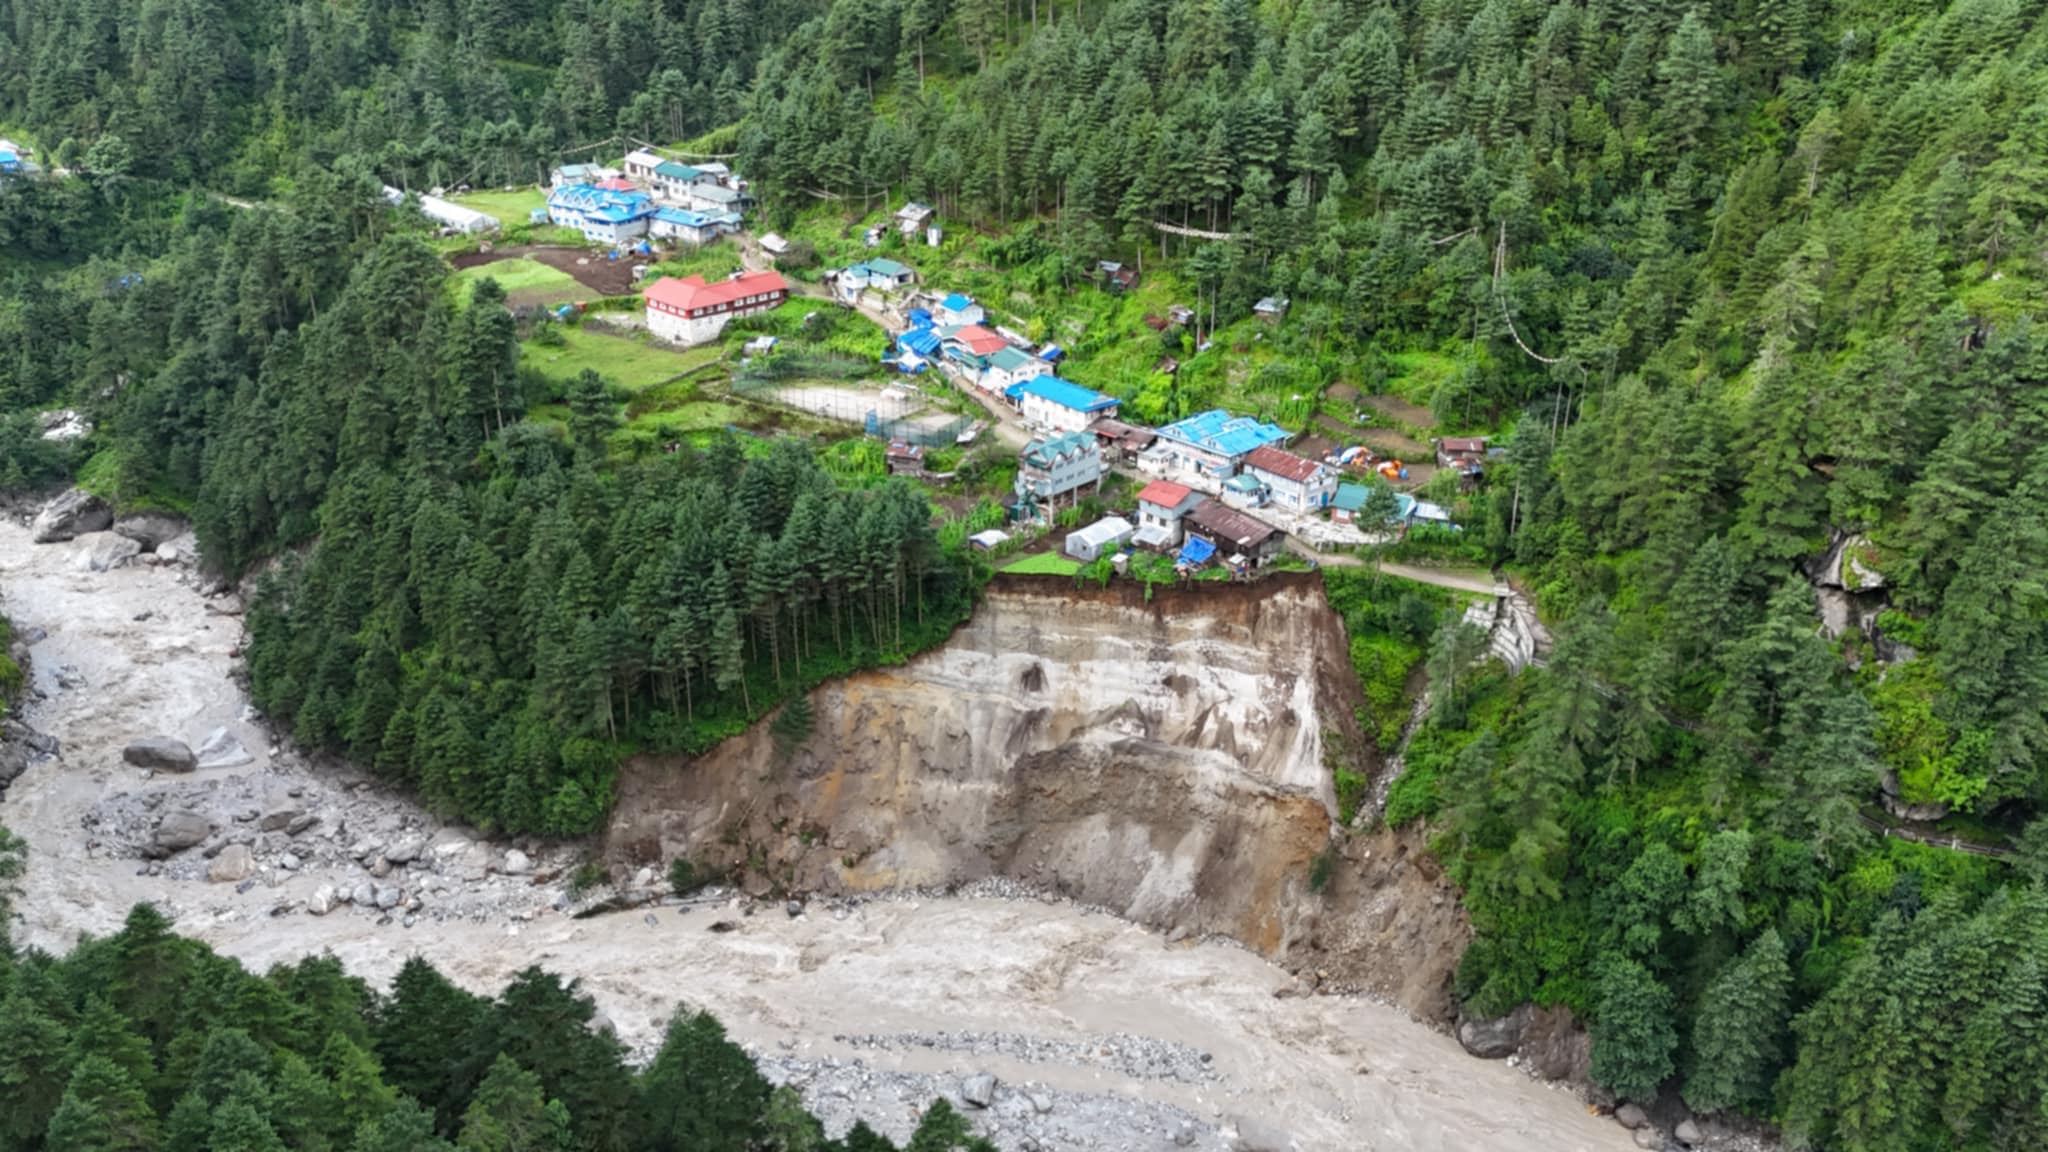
(918, 432)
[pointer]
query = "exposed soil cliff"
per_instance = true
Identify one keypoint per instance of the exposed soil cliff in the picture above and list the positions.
(1169, 759)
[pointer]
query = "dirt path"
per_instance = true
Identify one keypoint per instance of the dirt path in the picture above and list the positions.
(1031, 991)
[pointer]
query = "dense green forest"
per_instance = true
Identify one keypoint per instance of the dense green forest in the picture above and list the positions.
(1730, 281)
(246, 95)
(149, 1042)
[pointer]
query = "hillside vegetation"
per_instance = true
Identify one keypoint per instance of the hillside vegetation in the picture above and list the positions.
(1729, 282)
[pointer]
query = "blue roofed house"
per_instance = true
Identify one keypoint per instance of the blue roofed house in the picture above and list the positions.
(959, 309)
(1051, 402)
(880, 274)
(1211, 444)
(1055, 466)
(604, 217)
(682, 224)
(915, 350)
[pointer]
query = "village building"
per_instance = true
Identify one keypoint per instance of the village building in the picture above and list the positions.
(449, 214)
(959, 309)
(1463, 454)
(1243, 491)
(672, 180)
(774, 245)
(569, 175)
(1180, 314)
(915, 350)
(1210, 444)
(905, 458)
(682, 224)
(913, 217)
(690, 311)
(880, 274)
(1272, 309)
(1121, 442)
(1235, 533)
(640, 165)
(1293, 482)
(14, 160)
(1163, 507)
(1105, 536)
(1348, 502)
(1011, 365)
(1051, 467)
(712, 197)
(969, 349)
(604, 217)
(1050, 402)
(1117, 278)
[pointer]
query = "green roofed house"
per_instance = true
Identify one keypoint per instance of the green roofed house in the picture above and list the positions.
(672, 180)
(1055, 466)
(1011, 365)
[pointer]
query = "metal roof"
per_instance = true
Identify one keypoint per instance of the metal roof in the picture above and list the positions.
(1350, 497)
(1046, 453)
(1220, 432)
(682, 216)
(1054, 390)
(1286, 465)
(675, 171)
(1165, 493)
(957, 303)
(1228, 524)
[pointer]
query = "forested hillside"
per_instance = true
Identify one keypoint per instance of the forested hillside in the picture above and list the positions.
(245, 95)
(146, 1041)
(1731, 281)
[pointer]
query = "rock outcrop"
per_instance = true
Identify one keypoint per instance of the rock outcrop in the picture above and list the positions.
(1169, 759)
(71, 515)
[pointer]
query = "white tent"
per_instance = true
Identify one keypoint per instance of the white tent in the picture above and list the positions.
(1105, 535)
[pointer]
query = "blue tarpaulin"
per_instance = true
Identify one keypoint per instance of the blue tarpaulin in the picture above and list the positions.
(1197, 551)
(920, 318)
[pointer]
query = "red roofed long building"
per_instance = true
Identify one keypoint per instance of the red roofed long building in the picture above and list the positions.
(1295, 482)
(690, 311)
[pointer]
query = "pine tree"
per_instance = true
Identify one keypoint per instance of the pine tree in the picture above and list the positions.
(701, 1092)
(1736, 1033)
(508, 1113)
(103, 1110)
(1633, 1036)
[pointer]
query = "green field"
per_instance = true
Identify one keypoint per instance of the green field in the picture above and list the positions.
(628, 362)
(527, 279)
(1045, 564)
(509, 207)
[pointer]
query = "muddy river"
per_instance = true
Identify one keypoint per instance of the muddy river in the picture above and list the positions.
(1100, 1034)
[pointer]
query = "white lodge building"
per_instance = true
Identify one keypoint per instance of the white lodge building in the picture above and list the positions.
(689, 311)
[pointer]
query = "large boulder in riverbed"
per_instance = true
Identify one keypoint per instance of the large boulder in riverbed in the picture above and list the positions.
(223, 749)
(152, 530)
(109, 552)
(160, 753)
(71, 515)
(234, 865)
(1491, 1039)
(178, 831)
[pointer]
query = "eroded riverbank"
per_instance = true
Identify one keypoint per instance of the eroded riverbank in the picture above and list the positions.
(1039, 991)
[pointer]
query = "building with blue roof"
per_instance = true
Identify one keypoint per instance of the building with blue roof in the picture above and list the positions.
(1210, 444)
(1051, 402)
(602, 215)
(960, 309)
(683, 224)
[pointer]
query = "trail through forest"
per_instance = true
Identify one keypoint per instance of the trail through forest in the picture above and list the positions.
(142, 652)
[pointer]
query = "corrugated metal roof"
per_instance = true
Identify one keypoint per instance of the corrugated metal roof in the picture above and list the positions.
(1276, 462)
(1165, 493)
(957, 303)
(1229, 525)
(1350, 497)
(675, 171)
(1045, 453)
(1220, 432)
(1068, 395)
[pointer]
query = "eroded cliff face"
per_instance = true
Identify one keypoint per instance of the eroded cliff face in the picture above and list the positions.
(1169, 759)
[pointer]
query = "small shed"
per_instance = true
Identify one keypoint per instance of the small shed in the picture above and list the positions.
(912, 217)
(990, 540)
(1108, 534)
(1272, 309)
(774, 245)
(905, 458)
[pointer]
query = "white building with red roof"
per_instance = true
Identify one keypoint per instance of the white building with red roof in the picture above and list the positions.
(690, 311)
(1294, 482)
(1161, 507)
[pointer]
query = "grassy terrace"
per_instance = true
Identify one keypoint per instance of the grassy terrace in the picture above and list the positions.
(629, 362)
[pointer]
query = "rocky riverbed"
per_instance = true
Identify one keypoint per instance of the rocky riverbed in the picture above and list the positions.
(1054, 1026)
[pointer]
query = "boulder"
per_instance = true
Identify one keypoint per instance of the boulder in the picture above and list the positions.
(1491, 1039)
(71, 515)
(160, 753)
(516, 863)
(178, 831)
(301, 824)
(223, 749)
(405, 850)
(149, 529)
(277, 819)
(1555, 1046)
(1256, 1135)
(110, 552)
(234, 865)
(323, 900)
(365, 895)
(1631, 1116)
(1688, 1133)
(978, 1091)
(1649, 1138)
(388, 896)
(168, 553)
